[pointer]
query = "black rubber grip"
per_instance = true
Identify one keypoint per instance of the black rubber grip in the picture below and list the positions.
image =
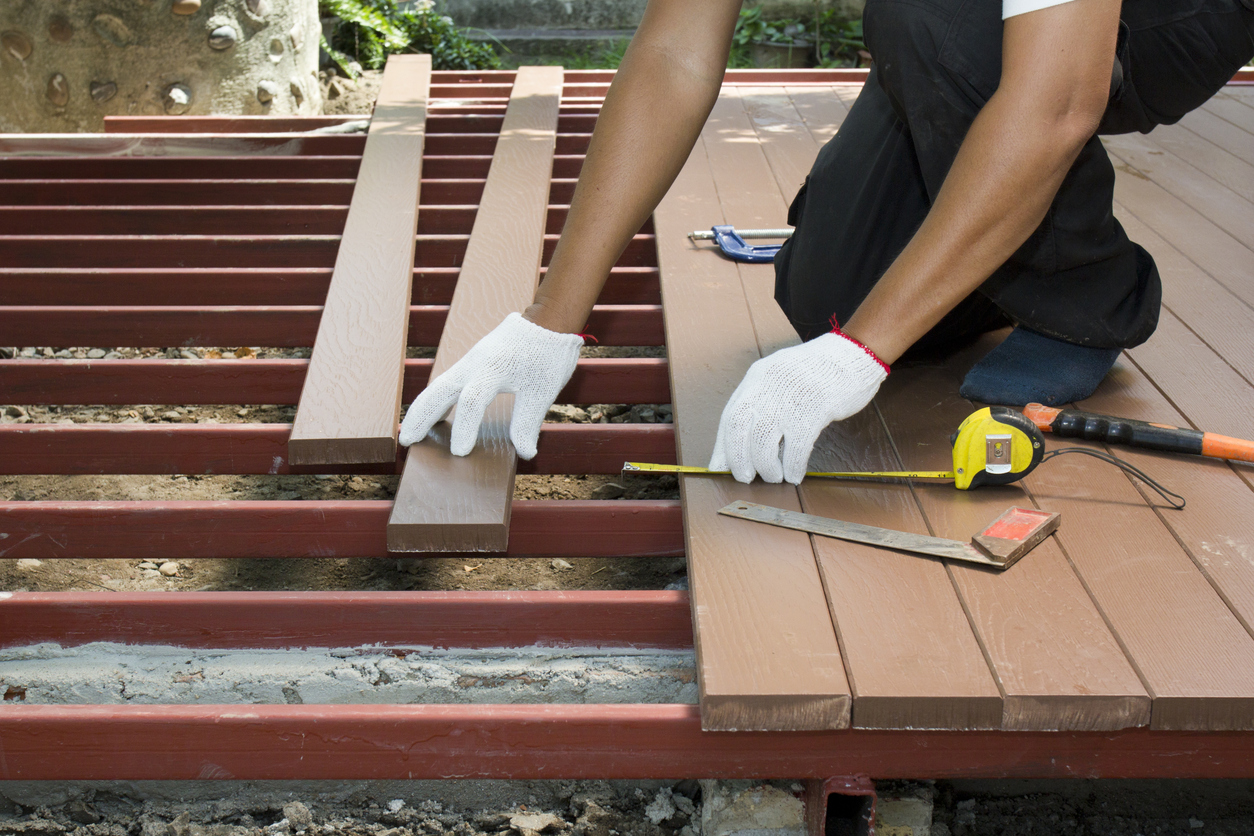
(1072, 423)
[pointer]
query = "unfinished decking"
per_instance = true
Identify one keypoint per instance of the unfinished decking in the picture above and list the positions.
(1128, 636)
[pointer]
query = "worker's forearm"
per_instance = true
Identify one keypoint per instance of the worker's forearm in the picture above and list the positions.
(653, 113)
(997, 192)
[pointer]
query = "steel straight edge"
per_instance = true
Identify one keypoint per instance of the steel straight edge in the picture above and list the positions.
(259, 449)
(318, 528)
(405, 621)
(633, 741)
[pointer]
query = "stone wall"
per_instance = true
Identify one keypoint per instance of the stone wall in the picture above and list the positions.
(65, 65)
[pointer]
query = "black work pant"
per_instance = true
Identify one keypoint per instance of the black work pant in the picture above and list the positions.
(1077, 278)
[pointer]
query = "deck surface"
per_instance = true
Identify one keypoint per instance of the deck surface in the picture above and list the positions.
(1133, 615)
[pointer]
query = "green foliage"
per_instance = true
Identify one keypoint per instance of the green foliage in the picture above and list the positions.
(368, 31)
(606, 57)
(837, 44)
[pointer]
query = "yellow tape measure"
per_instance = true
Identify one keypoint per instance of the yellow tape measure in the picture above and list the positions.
(993, 446)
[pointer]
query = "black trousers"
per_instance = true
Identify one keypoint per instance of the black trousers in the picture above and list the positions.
(1077, 278)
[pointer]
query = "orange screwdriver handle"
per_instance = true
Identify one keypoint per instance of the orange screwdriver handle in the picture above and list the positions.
(1072, 423)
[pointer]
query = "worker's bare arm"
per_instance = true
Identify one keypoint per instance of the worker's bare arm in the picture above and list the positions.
(653, 113)
(1055, 84)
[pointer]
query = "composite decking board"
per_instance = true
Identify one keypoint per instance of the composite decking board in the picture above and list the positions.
(821, 115)
(167, 168)
(759, 667)
(1232, 108)
(1206, 308)
(927, 671)
(1189, 231)
(167, 220)
(1227, 209)
(454, 503)
(1056, 660)
(1193, 654)
(1216, 526)
(1190, 144)
(1216, 130)
(352, 392)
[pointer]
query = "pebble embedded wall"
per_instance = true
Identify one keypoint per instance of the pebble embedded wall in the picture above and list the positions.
(66, 64)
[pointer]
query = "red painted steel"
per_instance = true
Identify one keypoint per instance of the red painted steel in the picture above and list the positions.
(140, 251)
(349, 619)
(271, 326)
(340, 528)
(262, 449)
(261, 742)
(252, 286)
(635, 380)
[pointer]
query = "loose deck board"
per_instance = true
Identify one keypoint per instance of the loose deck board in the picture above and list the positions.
(462, 503)
(352, 392)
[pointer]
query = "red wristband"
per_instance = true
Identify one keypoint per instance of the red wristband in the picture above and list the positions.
(836, 330)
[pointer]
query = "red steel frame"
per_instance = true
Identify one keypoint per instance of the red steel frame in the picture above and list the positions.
(106, 284)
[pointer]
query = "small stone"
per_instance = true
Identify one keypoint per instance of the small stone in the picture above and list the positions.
(170, 569)
(222, 38)
(260, 8)
(95, 354)
(178, 99)
(28, 563)
(82, 812)
(14, 411)
(567, 413)
(643, 414)
(396, 804)
(610, 490)
(29, 351)
(561, 565)
(185, 7)
(63, 354)
(1196, 824)
(101, 92)
(60, 30)
(297, 93)
(115, 355)
(298, 816)
(536, 822)
(58, 91)
(297, 37)
(242, 412)
(171, 415)
(188, 355)
(266, 91)
(146, 564)
(16, 44)
(112, 29)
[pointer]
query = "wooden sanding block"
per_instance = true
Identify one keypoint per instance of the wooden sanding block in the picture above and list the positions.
(1008, 538)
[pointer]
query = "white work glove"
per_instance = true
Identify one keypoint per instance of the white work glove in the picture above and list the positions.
(791, 396)
(519, 357)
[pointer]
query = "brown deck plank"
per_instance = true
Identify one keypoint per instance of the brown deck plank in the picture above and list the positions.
(1056, 660)
(1206, 307)
(1135, 154)
(924, 672)
(1189, 231)
(455, 503)
(1216, 527)
(822, 116)
(1193, 654)
(767, 655)
(352, 391)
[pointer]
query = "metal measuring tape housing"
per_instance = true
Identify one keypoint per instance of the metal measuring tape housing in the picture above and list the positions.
(995, 446)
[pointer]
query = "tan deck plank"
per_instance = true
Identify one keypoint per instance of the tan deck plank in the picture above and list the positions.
(767, 655)
(1225, 208)
(1056, 659)
(1232, 108)
(1212, 157)
(1205, 306)
(924, 672)
(352, 393)
(454, 503)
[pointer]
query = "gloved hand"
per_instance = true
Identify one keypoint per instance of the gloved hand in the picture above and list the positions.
(519, 357)
(791, 396)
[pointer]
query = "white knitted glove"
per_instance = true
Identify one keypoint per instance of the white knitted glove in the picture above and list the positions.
(790, 397)
(518, 356)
